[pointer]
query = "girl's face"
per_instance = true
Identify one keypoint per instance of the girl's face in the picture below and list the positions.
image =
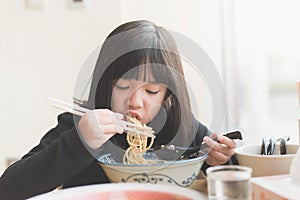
(139, 98)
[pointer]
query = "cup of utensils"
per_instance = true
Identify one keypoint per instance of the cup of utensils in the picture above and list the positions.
(272, 157)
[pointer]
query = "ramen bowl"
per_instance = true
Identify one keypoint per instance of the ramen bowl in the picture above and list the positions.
(179, 172)
(265, 165)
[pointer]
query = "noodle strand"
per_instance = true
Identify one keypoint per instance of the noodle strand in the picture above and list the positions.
(138, 144)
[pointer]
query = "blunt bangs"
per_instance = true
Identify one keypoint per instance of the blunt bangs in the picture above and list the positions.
(142, 64)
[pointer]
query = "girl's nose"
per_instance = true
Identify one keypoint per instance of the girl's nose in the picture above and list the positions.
(136, 99)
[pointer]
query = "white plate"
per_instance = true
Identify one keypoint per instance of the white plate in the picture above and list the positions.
(122, 191)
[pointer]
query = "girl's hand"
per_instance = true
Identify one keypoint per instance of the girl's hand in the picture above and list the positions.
(221, 151)
(98, 126)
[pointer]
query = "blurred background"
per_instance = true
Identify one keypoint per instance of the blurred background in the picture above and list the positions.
(254, 45)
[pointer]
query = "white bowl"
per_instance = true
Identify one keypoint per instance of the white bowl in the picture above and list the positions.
(132, 191)
(181, 172)
(265, 165)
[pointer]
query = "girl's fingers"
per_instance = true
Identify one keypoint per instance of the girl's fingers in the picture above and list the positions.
(220, 156)
(98, 126)
(221, 151)
(111, 129)
(226, 141)
(119, 115)
(210, 142)
(104, 118)
(225, 145)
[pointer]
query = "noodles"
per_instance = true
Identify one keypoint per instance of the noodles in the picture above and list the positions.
(138, 143)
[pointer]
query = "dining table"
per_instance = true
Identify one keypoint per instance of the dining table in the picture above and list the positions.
(200, 185)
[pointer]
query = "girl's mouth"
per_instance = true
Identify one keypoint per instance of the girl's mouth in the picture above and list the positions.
(134, 114)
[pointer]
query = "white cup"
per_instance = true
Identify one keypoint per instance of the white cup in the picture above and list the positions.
(229, 182)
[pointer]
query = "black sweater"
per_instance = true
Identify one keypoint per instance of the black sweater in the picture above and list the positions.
(59, 159)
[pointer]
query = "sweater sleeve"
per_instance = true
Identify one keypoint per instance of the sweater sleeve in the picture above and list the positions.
(58, 157)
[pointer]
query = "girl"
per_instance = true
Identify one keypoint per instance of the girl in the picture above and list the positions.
(138, 72)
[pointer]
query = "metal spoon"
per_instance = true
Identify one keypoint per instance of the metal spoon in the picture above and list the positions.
(172, 152)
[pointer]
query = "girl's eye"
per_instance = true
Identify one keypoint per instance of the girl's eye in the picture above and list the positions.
(121, 87)
(151, 92)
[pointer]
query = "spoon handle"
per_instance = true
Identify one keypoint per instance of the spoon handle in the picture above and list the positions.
(234, 135)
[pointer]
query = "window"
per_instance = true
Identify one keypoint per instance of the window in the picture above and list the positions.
(263, 66)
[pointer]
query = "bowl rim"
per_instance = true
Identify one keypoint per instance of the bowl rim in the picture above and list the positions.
(238, 152)
(202, 157)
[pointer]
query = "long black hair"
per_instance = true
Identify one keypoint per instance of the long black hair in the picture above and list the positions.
(142, 47)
